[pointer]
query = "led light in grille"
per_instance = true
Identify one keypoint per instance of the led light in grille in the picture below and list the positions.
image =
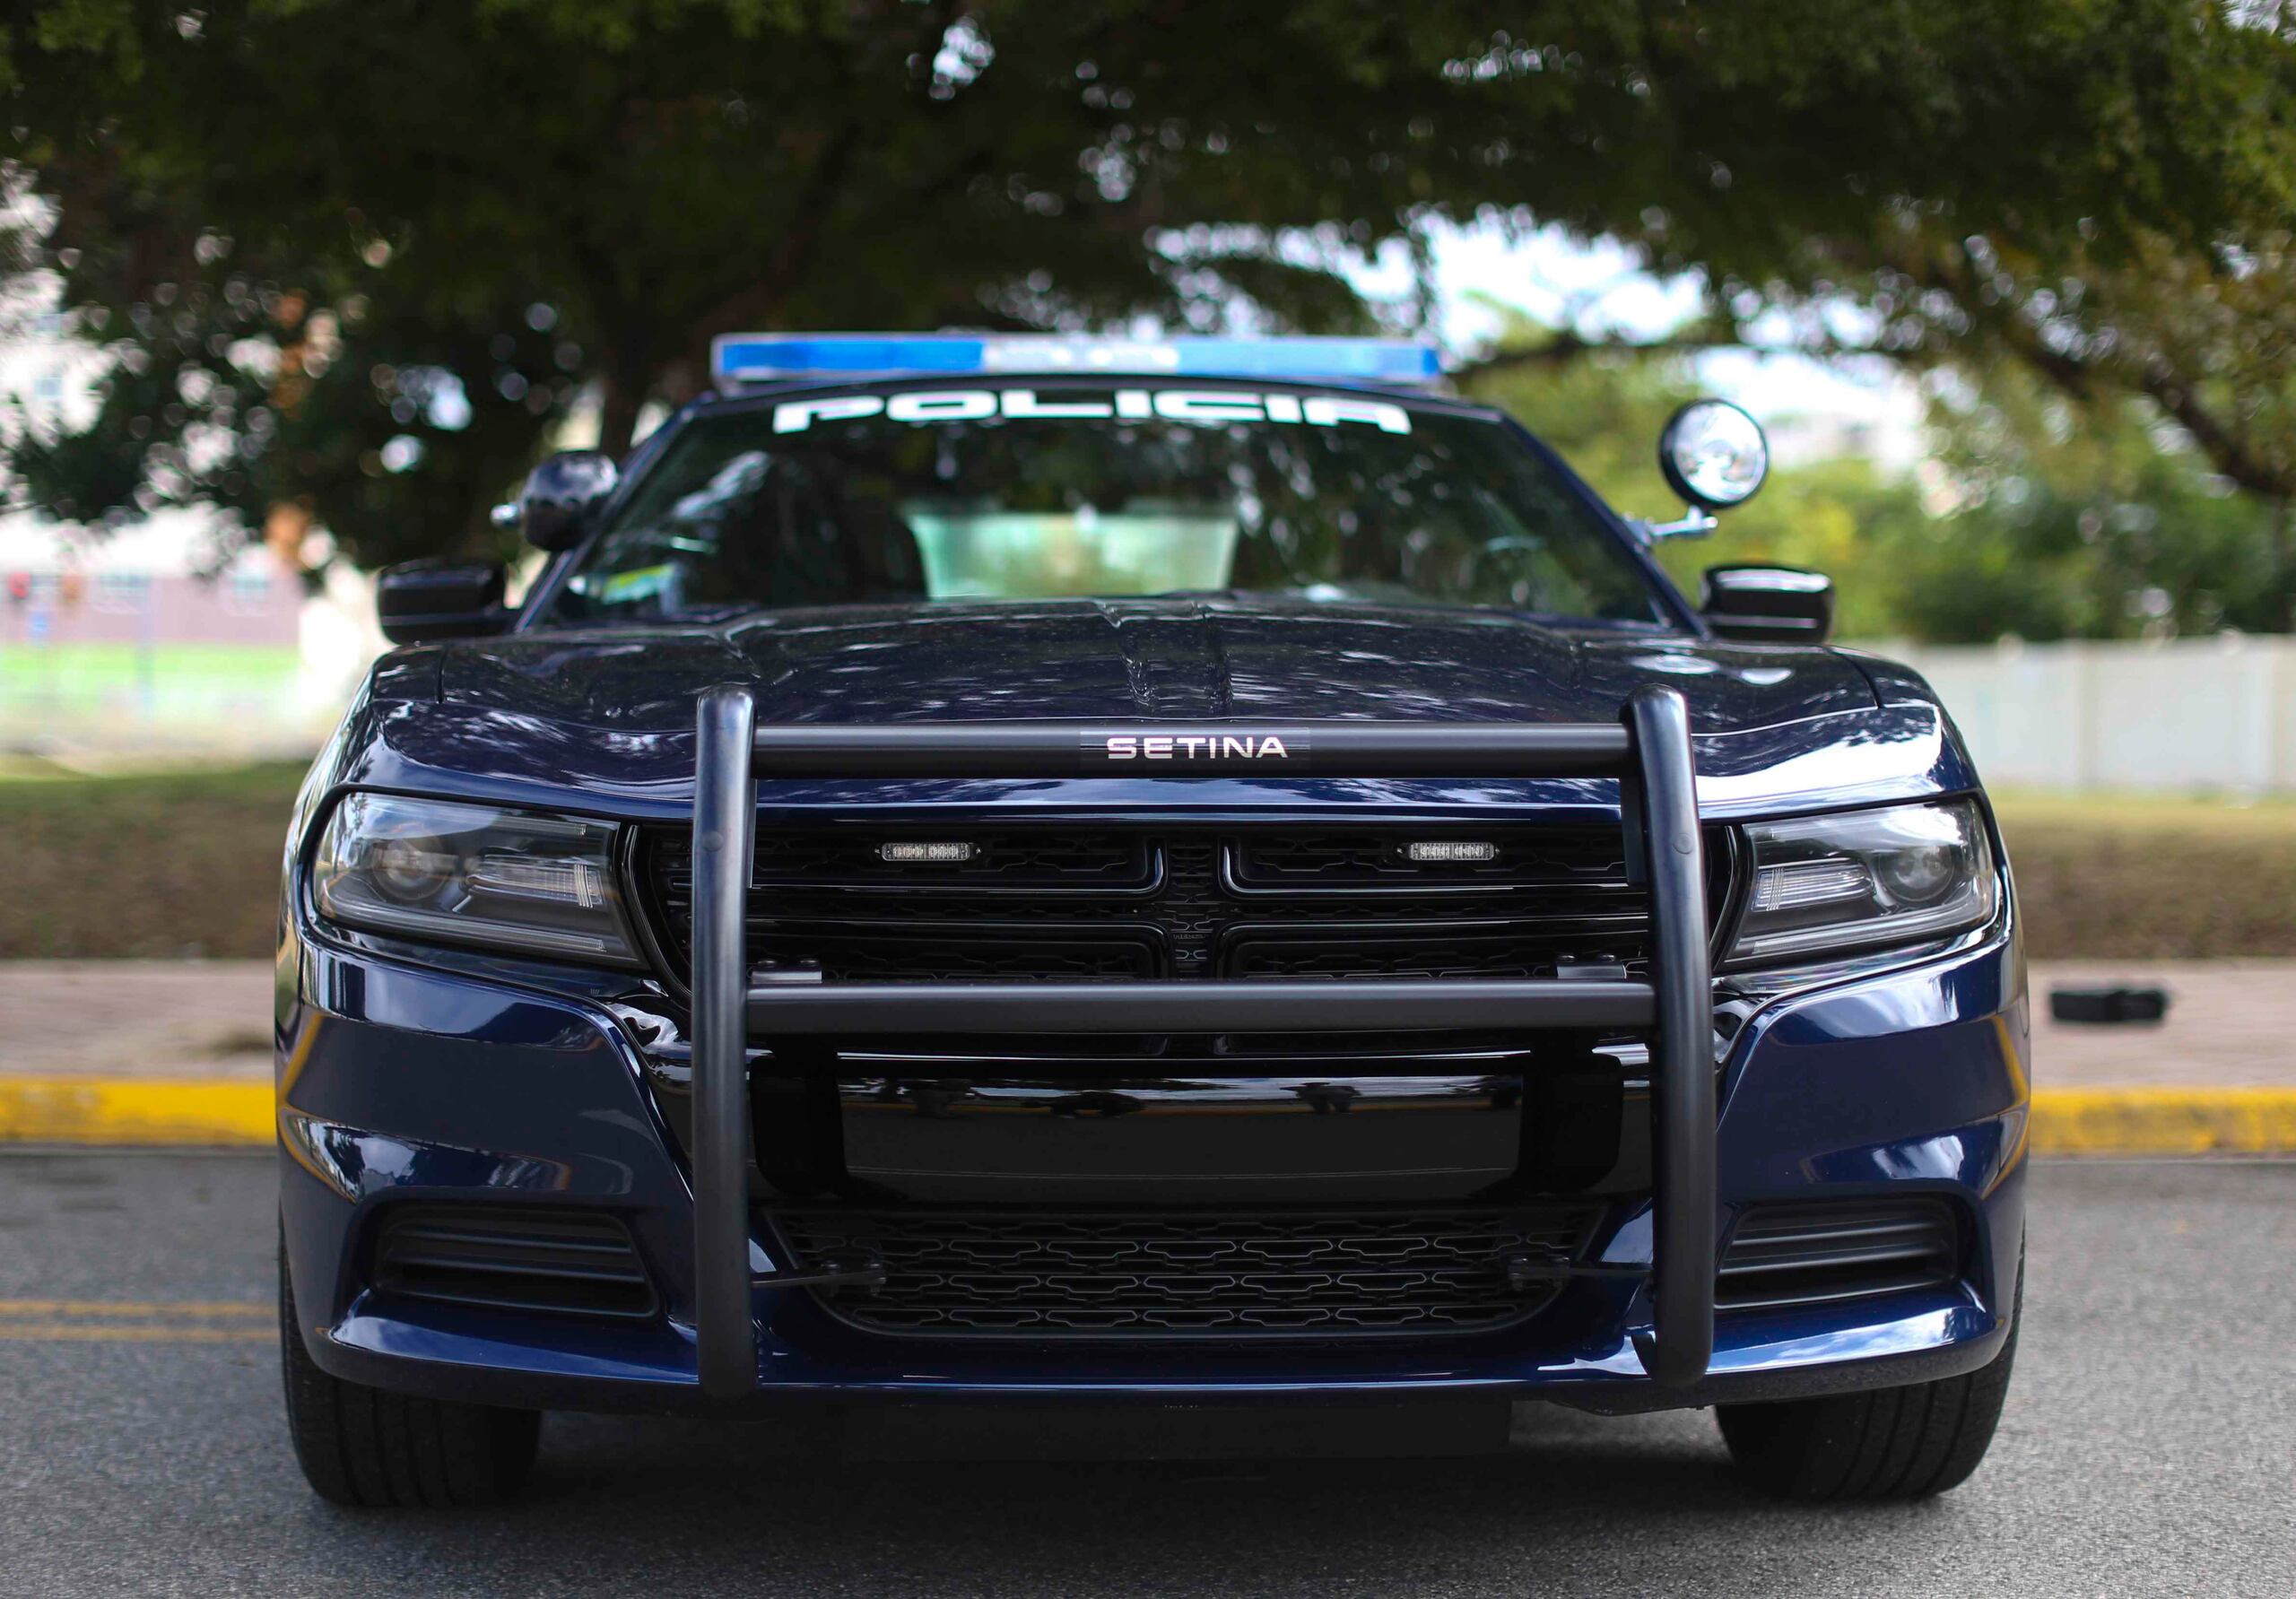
(1789, 885)
(924, 854)
(1439, 851)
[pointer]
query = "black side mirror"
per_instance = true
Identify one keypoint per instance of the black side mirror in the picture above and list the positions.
(553, 510)
(1775, 604)
(422, 600)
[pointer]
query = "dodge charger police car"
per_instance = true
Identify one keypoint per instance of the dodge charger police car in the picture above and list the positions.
(1193, 872)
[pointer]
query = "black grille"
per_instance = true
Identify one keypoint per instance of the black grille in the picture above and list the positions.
(570, 1262)
(1055, 903)
(1783, 1255)
(980, 951)
(1180, 1274)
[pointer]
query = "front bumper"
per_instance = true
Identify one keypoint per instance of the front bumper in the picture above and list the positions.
(399, 1082)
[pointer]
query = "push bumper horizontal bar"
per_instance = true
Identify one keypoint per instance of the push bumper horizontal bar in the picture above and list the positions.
(1648, 751)
(1307, 1007)
(1208, 749)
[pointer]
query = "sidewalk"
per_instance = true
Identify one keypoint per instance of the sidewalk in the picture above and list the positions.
(2231, 1024)
(181, 1019)
(155, 1051)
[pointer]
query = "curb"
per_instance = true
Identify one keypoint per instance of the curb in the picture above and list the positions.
(2164, 1121)
(141, 1111)
(149, 1112)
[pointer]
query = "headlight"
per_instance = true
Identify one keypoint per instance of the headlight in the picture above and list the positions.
(1827, 884)
(473, 874)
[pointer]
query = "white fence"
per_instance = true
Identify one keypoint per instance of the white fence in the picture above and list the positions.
(2213, 714)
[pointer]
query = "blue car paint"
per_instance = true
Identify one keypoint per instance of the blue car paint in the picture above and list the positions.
(404, 1083)
(411, 1072)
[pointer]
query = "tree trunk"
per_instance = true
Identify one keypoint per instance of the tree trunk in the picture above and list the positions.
(621, 398)
(2283, 566)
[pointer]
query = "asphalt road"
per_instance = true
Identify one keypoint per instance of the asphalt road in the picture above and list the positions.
(2149, 1447)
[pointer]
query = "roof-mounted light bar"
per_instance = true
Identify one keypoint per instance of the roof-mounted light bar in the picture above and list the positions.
(771, 358)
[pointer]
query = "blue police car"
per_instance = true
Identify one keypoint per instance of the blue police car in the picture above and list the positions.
(1033, 871)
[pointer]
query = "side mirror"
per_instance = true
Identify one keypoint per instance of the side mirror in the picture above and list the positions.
(1714, 456)
(422, 600)
(553, 510)
(1773, 604)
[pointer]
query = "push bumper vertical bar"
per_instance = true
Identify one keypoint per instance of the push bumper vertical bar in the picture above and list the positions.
(1650, 754)
(1681, 1210)
(724, 812)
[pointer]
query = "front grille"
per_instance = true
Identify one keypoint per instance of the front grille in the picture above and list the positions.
(984, 951)
(1783, 1255)
(577, 1263)
(1055, 903)
(1184, 1274)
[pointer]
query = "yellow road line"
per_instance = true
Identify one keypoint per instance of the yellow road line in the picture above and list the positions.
(133, 1321)
(124, 1110)
(209, 1308)
(65, 1332)
(2065, 1121)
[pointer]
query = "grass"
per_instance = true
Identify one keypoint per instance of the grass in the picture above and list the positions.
(177, 864)
(95, 667)
(2121, 878)
(71, 684)
(187, 864)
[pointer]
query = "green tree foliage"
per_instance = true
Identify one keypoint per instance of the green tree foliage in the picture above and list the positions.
(2042, 518)
(2100, 520)
(1604, 411)
(357, 258)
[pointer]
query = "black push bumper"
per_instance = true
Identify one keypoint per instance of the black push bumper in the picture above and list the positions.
(1648, 752)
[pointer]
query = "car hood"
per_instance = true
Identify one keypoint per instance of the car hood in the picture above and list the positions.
(1143, 659)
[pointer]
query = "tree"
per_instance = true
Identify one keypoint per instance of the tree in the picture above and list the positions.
(353, 260)
(2096, 519)
(2040, 516)
(1604, 410)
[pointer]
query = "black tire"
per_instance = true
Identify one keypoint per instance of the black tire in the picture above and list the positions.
(1903, 1443)
(367, 1447)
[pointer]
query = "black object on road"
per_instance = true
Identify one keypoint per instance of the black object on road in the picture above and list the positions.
(2106, 1005)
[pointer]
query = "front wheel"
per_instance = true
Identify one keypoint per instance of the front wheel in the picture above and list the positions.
(1905, 1443)
(362, 1446)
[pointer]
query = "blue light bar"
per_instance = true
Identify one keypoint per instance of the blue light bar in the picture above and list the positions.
(768, 358)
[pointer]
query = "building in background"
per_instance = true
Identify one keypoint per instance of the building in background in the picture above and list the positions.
(159, 639)
(168, 636)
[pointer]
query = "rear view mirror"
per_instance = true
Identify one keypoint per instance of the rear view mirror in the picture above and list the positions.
(553, 510)
(1776, 604)
(422, 600)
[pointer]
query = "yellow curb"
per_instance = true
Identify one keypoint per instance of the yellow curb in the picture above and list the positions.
(2164, 1121)
(121, 1110)
(2066, 1121)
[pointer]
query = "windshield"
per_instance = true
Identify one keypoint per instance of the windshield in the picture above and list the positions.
(1054, 490)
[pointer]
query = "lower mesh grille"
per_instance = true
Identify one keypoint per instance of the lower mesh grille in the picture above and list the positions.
(1785, 1255)
(1184, 1274)
(567, 1262)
